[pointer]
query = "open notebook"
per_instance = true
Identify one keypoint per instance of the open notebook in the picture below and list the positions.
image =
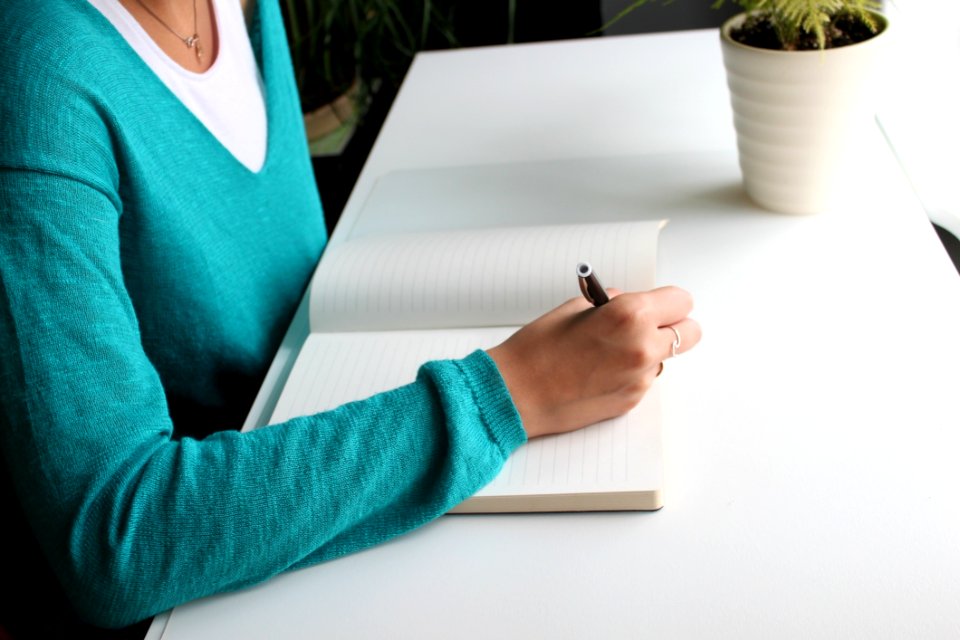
(382, 305)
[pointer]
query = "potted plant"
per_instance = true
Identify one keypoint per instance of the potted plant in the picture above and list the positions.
(800, 74)
(343, 51)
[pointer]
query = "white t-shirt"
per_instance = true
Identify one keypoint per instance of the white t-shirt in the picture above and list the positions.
(228, 97)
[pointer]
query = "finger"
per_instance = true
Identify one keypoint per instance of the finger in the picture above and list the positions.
(670, 305)
(663, 306)
(580, 303)
(571, 306)
(652, 373)
(684, 334)
(612, 292)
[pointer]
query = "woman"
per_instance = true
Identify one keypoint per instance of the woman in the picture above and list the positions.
(159, 226)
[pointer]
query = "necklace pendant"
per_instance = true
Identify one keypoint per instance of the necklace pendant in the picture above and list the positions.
(193, 42)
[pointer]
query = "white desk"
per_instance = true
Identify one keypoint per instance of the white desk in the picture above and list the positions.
(920, 115)
(811, 440)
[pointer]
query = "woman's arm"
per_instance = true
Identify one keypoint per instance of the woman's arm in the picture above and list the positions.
(135, 522)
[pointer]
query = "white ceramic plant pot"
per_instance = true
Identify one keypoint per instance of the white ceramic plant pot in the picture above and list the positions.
(796, 114)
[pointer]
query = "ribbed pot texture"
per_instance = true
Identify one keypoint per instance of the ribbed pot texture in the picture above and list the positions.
(796, 114)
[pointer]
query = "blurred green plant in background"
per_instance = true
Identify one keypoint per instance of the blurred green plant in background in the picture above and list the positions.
(336, 44)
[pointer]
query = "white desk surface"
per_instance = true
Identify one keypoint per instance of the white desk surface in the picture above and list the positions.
(811, 439)
(920, 114)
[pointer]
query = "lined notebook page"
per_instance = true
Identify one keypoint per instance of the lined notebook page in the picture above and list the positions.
(504, 276)
(615, 464)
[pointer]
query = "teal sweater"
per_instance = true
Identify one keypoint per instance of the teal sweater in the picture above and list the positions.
(142, 266)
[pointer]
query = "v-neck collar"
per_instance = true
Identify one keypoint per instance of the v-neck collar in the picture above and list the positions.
(261, 57)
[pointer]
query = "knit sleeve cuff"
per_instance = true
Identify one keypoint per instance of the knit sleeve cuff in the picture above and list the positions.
(472, 389)
(492, 398)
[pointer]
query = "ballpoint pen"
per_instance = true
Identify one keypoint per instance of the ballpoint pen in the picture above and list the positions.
(590, 286)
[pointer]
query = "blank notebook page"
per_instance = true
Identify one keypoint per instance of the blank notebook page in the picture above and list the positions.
(335, 368)
(478, 277)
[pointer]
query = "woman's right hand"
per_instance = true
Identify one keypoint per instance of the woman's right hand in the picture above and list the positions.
(580, 364)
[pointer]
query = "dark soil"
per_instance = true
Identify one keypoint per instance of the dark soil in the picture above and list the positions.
(759, 31)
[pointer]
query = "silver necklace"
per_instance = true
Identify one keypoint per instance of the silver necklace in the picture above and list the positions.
(192, 42)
